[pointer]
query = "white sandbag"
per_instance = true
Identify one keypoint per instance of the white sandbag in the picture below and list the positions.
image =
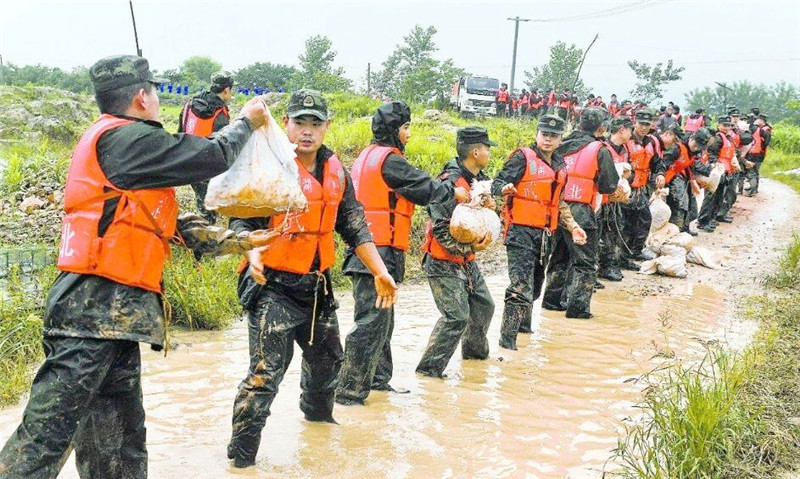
(648, 267)
(674, 251)
(660, 236)
(659, 209)
(684, 240)
(711, 182)
(672, 266)
(263, 180)
(471, 222)
(705, 257)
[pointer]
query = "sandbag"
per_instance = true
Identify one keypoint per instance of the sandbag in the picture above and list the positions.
(672, 266)
(684, 240)
(673, 250)
(659, 209)
(660, 236)
(711, 182)
(705, 257)
(472, 221)
(264, 179)
(648, 267)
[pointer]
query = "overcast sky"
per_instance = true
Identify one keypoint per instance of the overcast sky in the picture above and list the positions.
(720, 41)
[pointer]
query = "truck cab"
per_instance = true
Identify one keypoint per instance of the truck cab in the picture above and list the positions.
(475, 96)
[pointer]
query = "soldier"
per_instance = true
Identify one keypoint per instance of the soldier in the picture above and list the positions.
(532, 182)
(762, 137)
(722, 151)
(740, 139)
(286, 290)
(572, 271)
(611, 221)
(645, 157)
(388, 187)
(458, 287)
(501, 100)
(203, 115)
(120, 214)
(679, 157)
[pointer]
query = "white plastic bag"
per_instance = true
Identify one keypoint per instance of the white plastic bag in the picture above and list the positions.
(471, 222)
(672, 266)
(659, 237)
(674, 251)
(684, 240)
(711, 182)
(264, 179)
(659, 209)
(705, 257)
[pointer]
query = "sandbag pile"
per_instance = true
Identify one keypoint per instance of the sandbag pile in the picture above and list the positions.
(472, 221)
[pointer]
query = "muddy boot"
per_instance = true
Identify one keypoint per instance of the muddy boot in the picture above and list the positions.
(579, 292)
(525, 324)
(629, 264)
(610, 274)
(598, 285)
(512, 318)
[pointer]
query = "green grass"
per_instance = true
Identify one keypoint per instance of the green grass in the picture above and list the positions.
(777, 162)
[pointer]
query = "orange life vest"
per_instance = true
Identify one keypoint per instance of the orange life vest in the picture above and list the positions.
(640, 158)
(694, 123)
(134, 247)
(581, 172)
(432, 245)
(564, 104)
(734, 136)
(538, 194)
(306, 234)
(758, 143)
(680, 165)
(502, 96)
(618, 158)
(389, 225)
(726, 152)
(613, 109)
(194, 125)
(537, 102)
(704, 157)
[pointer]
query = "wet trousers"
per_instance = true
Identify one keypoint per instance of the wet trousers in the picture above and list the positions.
(712, 203)
(678, 201)
(637, 219)
(467, 307)
(87, 395)
(274, 325)
(729, 197)
(611, 246)
(753, 177)
(571, 273)
(367, 353)
(200, 190)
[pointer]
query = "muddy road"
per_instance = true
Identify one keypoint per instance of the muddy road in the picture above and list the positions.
(553, 409)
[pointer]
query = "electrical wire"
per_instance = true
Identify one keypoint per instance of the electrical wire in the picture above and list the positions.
(628, 7)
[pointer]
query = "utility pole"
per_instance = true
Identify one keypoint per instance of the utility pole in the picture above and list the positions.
(725, 90)
(516, 21)
(135, 34)
(2, 80)
(368, 84)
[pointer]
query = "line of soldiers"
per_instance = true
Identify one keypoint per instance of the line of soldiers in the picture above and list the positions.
(562, 203)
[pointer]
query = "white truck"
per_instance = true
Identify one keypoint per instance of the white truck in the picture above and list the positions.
(475, 95)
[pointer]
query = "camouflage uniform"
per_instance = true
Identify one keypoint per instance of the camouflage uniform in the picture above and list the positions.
(87, 394)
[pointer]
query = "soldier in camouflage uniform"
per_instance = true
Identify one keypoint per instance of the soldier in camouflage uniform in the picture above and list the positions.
(610, 215)
(458, 287)
(88, 394)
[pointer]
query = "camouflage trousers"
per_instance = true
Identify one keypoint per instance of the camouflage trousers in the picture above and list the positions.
(752, 176)
(713, 202)
(611, 246)
(526, 268)
(87, 395)
(200, 190)
(274, 325)
(729, 198)
(678, 201)
(637, 220)
(367, 354)
(571, 274)
(467, 307)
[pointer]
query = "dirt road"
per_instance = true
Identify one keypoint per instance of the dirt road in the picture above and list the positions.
(553, 409)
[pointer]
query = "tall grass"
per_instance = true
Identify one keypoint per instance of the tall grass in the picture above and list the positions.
(32, 164)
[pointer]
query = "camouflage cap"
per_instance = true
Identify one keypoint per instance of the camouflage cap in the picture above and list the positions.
(675, 129)
(724, 120)
(702, 136)
(119, 71)
(621, 122)
(307, 102)
(472, 135)
(733, 111)
(645, 115)
(223, 79)
(593, 118)
(551, 124)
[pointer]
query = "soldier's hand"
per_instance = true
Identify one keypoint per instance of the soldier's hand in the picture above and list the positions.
(387, 291)
(256, 111)
(484, 243)
(256, 266)
(749, 164)
(490, 203)
(660, 181)
(579, 236)
(261, 238)
(695, 187)
(461, 194)
(509, 189)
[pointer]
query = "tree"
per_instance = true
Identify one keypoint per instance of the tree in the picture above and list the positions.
(195, 71)
(412, 74)
(775, 100)
(270, 75)
(76, 81)
(560, 70)
(651, 79)
(316, 67)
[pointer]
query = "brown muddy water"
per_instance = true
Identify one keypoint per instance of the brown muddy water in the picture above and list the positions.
(552, 409)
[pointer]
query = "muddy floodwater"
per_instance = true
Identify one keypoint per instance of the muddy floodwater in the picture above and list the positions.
(552, 409)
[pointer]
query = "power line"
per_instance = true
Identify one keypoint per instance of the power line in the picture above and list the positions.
(628, 7)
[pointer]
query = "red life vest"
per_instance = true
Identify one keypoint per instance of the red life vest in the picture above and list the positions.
(551, 98)
(538, 194)
(536, 102)
(640, 157)
(525, 100)
(733, 135)
(134, 247)
(694, 123)
(618, 158)
(389, 225)
(565, 104)
(726, 152)
(194, 125)
(758, 143)
(704, 157)
(432, 245)
(306, 234)
(613, 109)
(679, 166)
(502, 96)
(581, 172)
